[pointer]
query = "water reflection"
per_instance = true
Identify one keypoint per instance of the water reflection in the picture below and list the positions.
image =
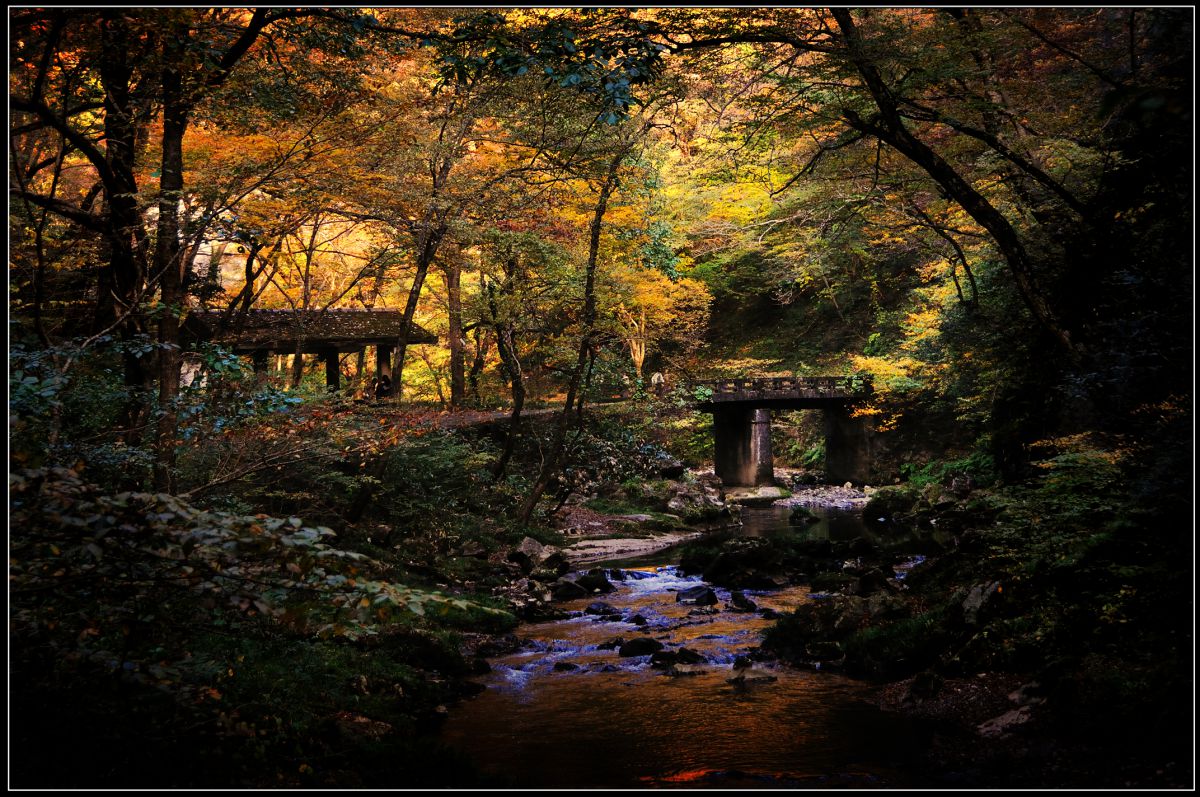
(831, 524)
(569, 712)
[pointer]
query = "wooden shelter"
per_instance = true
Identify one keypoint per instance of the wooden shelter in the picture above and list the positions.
(327, 333)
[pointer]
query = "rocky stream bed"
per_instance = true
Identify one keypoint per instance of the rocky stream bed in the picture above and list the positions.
(759, 638)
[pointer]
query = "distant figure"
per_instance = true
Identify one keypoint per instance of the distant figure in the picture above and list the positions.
(383, 388)
(658, 383)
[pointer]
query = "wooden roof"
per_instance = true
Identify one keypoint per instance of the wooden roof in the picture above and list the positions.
(314, 330)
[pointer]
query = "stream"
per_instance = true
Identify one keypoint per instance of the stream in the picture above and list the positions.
(567, 711)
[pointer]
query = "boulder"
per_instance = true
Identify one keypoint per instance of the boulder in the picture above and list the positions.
(979, 600)
(637, 619)
(556, 561)
(689, 656)
(595, 580)
(683, 670)
(611, 644)
(738, 602)
(833, 582)
(670, 468)
(565, 666)
(488, 645)
(697, 501)
(700, 596)
(531, 548)
(872, 581)
(886, 605)
(474, 549)
(600, 607)
(616, 574)
(751, 677)
(566, 589)
(686, 500)
(521, 560)
(889, 503)
(641, 646)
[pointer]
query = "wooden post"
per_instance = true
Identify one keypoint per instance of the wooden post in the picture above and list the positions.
(260, 364)
(333, 374)
(383, 361)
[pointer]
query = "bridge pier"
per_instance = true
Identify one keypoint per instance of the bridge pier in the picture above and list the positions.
(760, 448)
(742, 447)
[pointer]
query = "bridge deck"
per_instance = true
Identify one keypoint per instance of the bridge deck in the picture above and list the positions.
(808, 390)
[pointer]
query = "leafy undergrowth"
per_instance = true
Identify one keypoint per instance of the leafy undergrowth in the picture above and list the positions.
(176, 646)
(1077, 580)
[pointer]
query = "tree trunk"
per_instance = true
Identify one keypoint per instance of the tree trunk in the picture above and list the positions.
(506, 345)
(458, 379)
(551, 464)
(168, 263)
(477, 365)
(122, 279)
(430, 240)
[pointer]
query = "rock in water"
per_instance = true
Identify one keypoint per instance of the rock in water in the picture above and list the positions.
(740, 603)
(751, 677)
(642, 646)
(681, 670)
(599, 607)
(565, 589)
(700, 596)
(595, 580)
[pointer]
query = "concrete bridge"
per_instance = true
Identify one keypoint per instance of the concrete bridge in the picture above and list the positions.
(741, 410)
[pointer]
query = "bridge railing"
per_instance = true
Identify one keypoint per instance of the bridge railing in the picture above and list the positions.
(783, 387)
